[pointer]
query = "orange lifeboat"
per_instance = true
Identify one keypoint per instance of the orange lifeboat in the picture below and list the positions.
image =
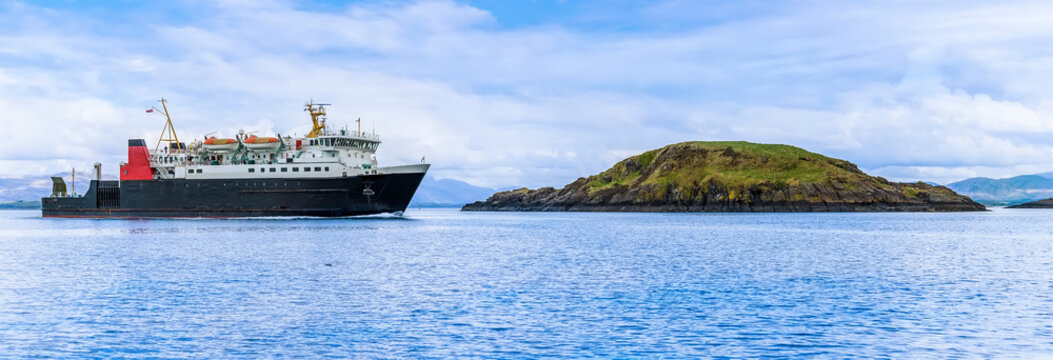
(221, 144)
(261, 143)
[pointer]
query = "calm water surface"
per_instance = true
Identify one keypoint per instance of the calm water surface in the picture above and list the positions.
(439, 283)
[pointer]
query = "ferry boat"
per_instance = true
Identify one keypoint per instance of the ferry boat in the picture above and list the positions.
(327, 173)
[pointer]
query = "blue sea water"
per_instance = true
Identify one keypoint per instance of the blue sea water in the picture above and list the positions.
(441, 283)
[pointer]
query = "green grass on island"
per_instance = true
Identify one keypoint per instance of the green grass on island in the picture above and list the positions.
(735, 164)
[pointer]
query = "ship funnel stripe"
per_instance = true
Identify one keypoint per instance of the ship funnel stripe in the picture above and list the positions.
(138, 166)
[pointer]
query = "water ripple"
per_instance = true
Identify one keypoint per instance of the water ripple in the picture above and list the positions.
(440, 284)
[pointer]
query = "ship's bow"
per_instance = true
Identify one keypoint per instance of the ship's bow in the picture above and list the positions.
(394, 186)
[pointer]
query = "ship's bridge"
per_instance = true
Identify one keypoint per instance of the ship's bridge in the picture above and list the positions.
(347, 140)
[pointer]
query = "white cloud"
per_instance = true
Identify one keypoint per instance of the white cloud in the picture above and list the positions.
(907, 90)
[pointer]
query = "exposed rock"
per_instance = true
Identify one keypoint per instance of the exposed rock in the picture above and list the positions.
(730, 177)
(1040, 204)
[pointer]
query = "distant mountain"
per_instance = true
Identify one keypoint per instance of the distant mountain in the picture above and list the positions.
(29, 188)
(32, 188)
(447, 193)
(20, 205)
(1011, 191)
(1048, 175)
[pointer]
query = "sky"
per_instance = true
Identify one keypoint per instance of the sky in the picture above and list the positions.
(538, 93)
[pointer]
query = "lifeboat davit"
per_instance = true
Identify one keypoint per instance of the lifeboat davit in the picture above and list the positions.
(220, 145)
(261, 143)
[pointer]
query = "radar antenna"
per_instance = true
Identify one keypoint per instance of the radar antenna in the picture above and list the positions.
(317, 117)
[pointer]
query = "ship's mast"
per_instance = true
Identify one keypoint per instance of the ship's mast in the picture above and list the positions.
(172, 139)
(317, 117)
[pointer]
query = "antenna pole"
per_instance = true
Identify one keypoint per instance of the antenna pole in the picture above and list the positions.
(169, 128)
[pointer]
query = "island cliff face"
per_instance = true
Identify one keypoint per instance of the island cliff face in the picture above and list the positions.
(1040, 204)
(730, 177)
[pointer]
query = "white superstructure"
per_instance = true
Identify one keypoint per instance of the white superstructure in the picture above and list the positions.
(323, 153)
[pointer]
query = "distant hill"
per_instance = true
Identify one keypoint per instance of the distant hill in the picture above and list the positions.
(447, 193)
(30, 188)
(20, 205)
(1011, 191)
(731, 176)
(1039, 204)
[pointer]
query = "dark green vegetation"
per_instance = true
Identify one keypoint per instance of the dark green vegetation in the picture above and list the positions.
(1039, 204)
(731, 176)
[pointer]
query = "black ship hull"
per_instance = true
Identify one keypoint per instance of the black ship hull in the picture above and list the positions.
(233, 198)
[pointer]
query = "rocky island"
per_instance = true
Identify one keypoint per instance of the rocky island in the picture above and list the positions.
(730, 176)
(1040, 204)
